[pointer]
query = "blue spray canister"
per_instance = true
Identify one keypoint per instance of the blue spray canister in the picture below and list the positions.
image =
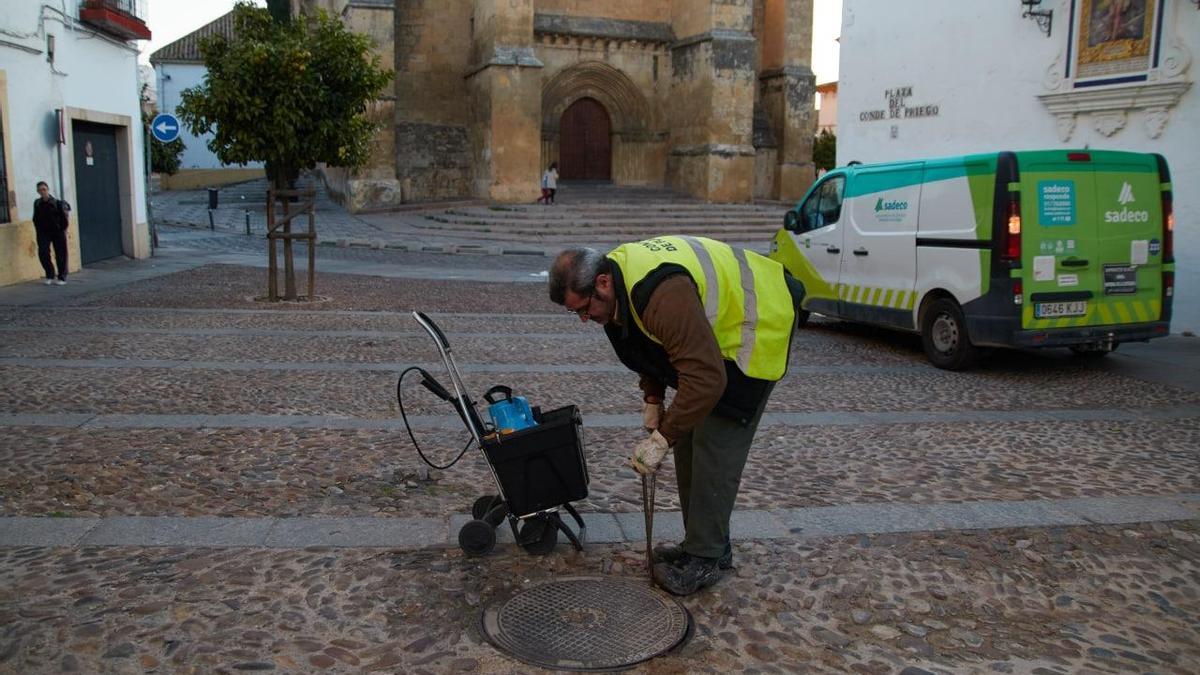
(511, 413)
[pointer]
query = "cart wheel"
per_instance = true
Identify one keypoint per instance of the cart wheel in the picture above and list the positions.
(538, 536)
(482, 505)
(477, 538)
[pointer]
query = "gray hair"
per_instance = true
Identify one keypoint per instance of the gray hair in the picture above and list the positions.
(575, 269)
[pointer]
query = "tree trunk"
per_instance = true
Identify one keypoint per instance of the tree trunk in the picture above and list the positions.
(284, 178)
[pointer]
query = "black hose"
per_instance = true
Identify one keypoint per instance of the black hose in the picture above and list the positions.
(400, 402)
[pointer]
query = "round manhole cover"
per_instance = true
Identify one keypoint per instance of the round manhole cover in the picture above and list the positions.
(586, 623)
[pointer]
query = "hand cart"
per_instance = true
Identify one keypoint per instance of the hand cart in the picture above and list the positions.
(537, 470)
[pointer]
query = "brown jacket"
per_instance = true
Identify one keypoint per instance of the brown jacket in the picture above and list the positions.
(676, 318)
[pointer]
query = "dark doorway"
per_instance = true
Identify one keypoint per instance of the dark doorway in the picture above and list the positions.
(97, 189)
(585, 145)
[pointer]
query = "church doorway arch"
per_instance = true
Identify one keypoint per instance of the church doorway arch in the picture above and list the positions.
(585, 142)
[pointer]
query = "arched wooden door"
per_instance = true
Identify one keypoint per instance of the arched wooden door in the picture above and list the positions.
(585, 144)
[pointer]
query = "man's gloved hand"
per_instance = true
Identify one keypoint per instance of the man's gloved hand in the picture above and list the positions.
(648, 454)
(651, 415)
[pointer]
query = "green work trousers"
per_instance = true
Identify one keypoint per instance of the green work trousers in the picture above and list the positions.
(708, 471)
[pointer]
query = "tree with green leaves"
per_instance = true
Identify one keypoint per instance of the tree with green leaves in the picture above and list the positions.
(165, 157)
(825, 150)
(289, 94)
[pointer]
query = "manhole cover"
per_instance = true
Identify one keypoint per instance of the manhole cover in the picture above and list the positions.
(586, 623)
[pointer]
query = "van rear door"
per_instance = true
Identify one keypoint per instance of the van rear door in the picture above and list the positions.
(1091, 219)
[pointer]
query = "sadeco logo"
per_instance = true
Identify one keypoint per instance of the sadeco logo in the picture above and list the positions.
(1126, 215)
(891, 205)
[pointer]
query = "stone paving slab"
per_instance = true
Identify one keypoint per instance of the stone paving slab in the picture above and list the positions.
(166, 531)
(1130, 509)
(867, 519)
(668, 526)
(754, 524)
(413, 533)
(356, 532)
(24, 531)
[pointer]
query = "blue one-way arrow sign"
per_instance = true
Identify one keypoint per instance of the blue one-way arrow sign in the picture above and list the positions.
(165, 127)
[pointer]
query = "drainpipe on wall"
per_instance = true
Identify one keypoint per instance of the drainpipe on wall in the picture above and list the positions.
(62, 139)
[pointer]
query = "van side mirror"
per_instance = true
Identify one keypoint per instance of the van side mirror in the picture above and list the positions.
(790, 221)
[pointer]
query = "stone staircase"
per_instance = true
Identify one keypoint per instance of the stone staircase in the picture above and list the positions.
(600, 213)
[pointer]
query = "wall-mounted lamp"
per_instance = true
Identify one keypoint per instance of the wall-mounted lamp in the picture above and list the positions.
(1042, 16)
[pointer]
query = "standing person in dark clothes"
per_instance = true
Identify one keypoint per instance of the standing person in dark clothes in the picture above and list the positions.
(714, 323)
(50, 219)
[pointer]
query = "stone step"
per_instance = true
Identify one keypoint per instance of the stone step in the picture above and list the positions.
(589, 220)
(619, 202)
(557, 214)
(675, 226)
(588, 234)
(596, 237)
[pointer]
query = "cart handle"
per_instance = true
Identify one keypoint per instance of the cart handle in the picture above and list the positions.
(432, 328)
(466, 408)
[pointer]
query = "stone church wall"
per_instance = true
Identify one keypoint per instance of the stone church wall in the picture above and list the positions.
(707, 97)
(433, 118)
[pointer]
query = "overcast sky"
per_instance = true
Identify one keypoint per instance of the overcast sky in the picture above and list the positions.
(170, 20)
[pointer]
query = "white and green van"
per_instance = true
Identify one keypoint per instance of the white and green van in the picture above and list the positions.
(1069, 248)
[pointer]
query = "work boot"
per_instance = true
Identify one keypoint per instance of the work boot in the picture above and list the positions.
(671, 553)
(689, 574)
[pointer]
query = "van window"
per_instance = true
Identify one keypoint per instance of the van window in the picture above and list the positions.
(824, 205)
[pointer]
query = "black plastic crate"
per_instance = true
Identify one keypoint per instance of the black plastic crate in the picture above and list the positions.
(541, 467)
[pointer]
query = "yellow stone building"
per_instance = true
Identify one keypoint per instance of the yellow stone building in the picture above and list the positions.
(712, 98)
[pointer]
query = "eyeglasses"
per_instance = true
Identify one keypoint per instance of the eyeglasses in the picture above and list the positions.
(581, 312)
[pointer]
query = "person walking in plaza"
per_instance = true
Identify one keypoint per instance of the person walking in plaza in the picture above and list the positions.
(51, 217)
(549, 184)
(713, 323)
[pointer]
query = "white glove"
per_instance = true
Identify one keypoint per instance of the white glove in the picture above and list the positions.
(651, 415)
(648, 454)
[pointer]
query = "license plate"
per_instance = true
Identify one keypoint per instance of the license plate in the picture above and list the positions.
(1049, 310)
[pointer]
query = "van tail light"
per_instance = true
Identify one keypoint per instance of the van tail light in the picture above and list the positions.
(1012, 234)
(1168, 243)
(1079, 156)
(1018, 289)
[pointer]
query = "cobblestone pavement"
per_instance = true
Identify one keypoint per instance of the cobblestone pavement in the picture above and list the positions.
(1061, 600)
(92, 385)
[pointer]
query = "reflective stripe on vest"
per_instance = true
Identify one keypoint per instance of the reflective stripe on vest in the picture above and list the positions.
(744, 296)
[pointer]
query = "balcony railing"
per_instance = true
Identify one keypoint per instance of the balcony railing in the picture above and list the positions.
(122, 18)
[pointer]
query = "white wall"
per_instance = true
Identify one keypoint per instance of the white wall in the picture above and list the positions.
(90, 73)
(827, 114)
(172, 79)
(984, 66)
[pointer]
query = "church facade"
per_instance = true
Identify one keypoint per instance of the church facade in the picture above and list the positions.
(711, 98)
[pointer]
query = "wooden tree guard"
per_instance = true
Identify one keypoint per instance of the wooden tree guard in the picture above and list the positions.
(282, 230)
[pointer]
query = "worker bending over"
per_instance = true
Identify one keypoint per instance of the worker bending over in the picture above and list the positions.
(713, 323)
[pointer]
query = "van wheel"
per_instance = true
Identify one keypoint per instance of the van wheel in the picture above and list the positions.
(944, 336)
(801, 318)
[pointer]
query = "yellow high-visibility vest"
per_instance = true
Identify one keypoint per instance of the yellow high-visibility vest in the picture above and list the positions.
(744, 295)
